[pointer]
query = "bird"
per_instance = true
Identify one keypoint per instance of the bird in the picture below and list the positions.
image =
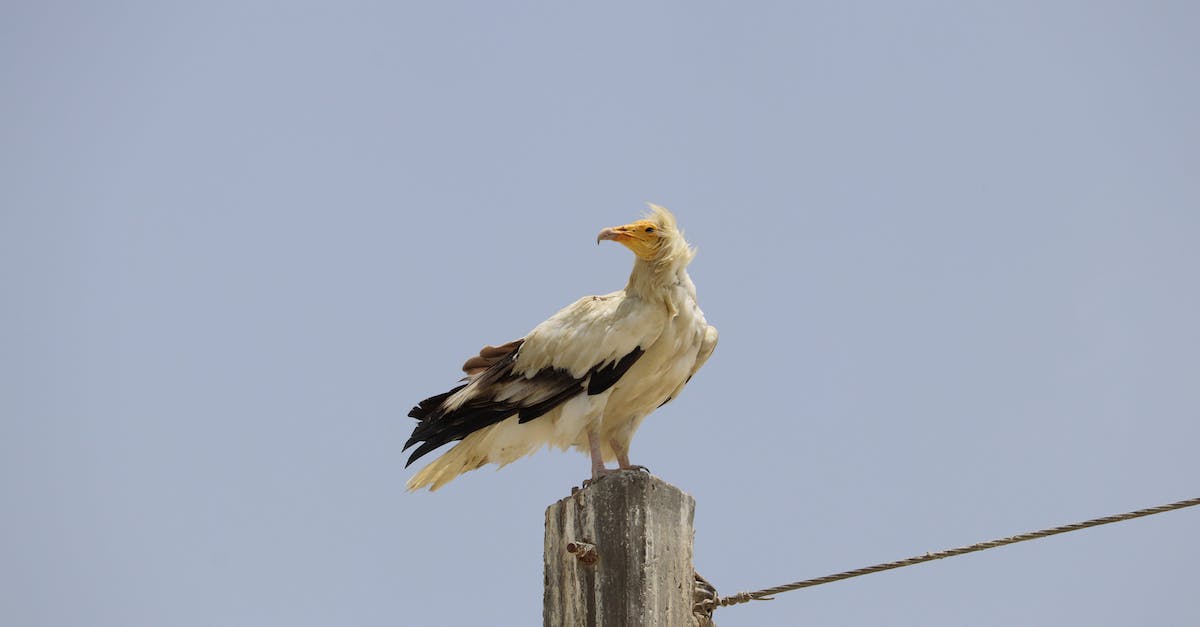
(583, 379)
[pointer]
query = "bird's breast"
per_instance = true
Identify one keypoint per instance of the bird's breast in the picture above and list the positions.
(664, 366)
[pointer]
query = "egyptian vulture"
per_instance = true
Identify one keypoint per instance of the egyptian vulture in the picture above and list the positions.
(585, 378)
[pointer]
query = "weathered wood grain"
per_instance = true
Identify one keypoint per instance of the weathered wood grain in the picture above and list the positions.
(630, 558)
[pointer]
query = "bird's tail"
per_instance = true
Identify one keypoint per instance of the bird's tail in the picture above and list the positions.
(462, 458)
(500, 444)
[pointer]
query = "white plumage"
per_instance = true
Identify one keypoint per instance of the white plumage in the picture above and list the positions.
(586, 377)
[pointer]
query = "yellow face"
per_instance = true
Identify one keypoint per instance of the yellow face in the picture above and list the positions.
(642, 237)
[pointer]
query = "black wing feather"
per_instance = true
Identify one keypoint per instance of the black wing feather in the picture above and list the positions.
(439, 426)
(604, 378)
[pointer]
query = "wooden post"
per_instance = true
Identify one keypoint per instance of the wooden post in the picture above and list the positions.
(619, 552)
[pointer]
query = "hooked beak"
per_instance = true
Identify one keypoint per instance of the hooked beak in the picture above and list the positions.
(613, 233)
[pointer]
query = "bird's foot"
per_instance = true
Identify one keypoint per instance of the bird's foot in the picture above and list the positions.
(600, 473)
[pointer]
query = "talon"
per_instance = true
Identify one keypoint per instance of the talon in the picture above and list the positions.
(604, 472)
(599, 474)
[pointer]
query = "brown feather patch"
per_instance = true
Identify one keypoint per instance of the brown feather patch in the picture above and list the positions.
(489, 355)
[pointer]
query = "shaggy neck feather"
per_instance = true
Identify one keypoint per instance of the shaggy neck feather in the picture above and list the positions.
(652, 280)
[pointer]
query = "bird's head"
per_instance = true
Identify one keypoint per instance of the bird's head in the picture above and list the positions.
(652, 238)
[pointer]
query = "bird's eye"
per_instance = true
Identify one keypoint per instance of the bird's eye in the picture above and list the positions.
(649, 229)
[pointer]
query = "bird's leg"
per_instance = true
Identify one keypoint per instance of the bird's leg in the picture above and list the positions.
(623, 457)
(598, 469)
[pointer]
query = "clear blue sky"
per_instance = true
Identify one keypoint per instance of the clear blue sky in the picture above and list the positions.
(951, 248)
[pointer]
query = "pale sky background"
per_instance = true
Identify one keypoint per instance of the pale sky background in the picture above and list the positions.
(951, 247)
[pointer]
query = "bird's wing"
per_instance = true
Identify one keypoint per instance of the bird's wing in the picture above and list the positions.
(584, 348)
(707, 345)
(593, 330)
(706, 349)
